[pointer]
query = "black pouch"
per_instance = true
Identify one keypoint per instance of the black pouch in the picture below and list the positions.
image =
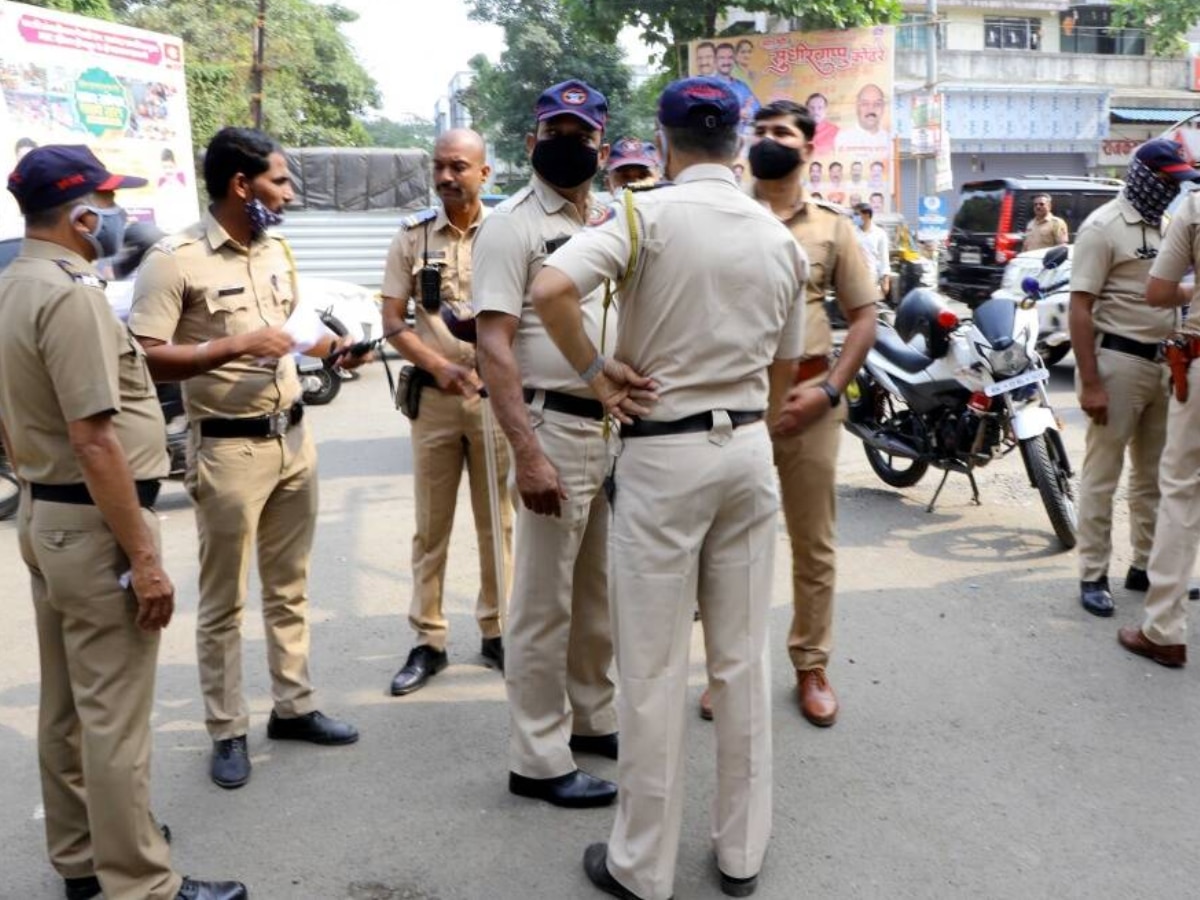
(409, 384)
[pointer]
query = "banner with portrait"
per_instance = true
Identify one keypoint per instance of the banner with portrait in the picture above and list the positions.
(68, 79)
(845, 78)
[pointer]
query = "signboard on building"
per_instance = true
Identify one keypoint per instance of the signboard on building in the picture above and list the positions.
(845, 78)
(67, 79)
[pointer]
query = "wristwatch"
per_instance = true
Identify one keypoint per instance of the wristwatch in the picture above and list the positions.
(831, 392)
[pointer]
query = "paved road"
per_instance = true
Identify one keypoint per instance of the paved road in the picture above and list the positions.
(994, 742)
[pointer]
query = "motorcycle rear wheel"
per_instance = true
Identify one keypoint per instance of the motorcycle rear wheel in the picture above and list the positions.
(331, 385)
(892, 469)
(1050, 475)
(1053, 355)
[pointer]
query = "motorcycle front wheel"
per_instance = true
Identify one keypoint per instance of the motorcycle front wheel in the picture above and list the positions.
(330, 384)
(1050, 474)
(1053, 355)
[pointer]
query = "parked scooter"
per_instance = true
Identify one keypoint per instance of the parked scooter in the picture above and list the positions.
(1053, 300)
(956, 394)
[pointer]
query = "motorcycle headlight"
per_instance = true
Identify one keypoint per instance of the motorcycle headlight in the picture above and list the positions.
(1009, 361)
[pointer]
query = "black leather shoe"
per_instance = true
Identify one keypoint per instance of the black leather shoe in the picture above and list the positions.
(422, 664)
(82, 888)
(595, 744)
(315, 728)
(492, 650)
(212, 890)
(595, 864)
(1137, 580)
(575, 790)
(230, 763)
(1096, 597)
(738, 887)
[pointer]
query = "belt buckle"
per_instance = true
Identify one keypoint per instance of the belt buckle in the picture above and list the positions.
(279, 424)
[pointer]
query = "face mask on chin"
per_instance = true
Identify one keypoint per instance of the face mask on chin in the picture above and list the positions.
(565, 162)
(106, 238)
(260, 217)
(771, 160)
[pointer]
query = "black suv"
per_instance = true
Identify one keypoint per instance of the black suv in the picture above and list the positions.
(990, 225)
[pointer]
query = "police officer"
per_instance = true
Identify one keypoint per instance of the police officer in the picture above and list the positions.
(85, 434)
(559, 648)
(209, 305)
(711, 305)
(632, 161)
(807, 459)
(1045, 229)
(1122, 386)
(448, 431)
(1162, 636)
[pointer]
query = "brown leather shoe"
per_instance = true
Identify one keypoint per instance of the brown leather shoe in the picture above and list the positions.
(1173, 656)
(706, 706)
(818, 703)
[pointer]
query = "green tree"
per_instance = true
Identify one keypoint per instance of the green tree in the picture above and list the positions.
(415, 132)
(97, 9)
(543, 49)
(1165, 23)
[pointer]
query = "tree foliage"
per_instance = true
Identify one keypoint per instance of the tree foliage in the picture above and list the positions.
(315, 88)
(1165, 22)
(415, 132)
(97, 9)
(543, 48)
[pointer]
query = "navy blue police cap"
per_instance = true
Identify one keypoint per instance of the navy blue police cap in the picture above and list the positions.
(703, 102)
(573, 98)
(56, 174)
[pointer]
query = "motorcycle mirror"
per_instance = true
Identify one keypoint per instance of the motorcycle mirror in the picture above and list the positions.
(1030, 286)
(1055, 257)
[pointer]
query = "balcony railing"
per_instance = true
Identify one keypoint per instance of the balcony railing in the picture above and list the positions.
(1038, 67)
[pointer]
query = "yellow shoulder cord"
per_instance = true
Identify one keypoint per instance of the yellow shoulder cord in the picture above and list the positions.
(609, 290)
(292, 274)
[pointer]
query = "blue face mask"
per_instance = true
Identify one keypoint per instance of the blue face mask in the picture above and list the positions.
(261, 218)
(858, 221)
(108, 235)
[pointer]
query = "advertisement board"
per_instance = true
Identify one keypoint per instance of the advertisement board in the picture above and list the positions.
(846, 78)
(68, 79)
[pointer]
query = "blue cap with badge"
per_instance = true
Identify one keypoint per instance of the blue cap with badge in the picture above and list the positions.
(629, 151)
(703, 102)
(573, 98)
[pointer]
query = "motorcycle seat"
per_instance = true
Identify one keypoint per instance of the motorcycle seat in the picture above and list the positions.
(893, 348)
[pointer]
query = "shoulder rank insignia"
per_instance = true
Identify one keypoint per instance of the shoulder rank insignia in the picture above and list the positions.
(87, 279)
(418, 218)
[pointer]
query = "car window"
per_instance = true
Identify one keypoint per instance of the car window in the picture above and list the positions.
(979, 210)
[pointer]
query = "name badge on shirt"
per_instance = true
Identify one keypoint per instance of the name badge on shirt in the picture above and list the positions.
(554, 243)
(231, 291)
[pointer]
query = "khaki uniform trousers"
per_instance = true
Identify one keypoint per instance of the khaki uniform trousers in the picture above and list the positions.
(559, 643)
(1177, 532)
(807, 466)
(447, 434)
(694, 520)
(253, 493)
(1137, 418)
(97, 694)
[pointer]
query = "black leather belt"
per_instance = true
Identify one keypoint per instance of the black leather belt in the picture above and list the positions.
(259, 426)
(555, 401)
(78, 494)
(1132, 347)
(699, 422)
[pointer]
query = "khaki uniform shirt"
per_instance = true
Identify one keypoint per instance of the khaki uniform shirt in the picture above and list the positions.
(717, 293)
(1106, 263)
(449, 250)
(509, 251)
(64, 357)
(201, 284)
(835, 261)
(1181, 251)
(1041, 235)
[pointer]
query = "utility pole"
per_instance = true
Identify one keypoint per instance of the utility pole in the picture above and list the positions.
(257, 70)
(931, 79)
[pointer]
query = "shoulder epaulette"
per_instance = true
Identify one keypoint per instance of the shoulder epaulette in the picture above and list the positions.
(87, 279)
(418, 219)
(830, 207)
(173, 242)
(647, 185)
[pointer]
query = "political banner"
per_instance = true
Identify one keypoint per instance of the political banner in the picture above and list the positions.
(68, 79)
(845, 78)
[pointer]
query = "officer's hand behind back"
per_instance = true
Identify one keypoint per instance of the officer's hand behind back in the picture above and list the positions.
(155, 596)
(624, 392)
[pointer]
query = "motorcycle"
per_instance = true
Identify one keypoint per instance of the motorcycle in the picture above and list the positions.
(956, 394)
(321, 379)
(1053, 301)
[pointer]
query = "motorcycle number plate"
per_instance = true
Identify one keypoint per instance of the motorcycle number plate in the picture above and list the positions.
(1011, 384)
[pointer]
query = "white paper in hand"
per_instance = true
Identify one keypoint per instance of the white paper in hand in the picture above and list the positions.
(305, 328)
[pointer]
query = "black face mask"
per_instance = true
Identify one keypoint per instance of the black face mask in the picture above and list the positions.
(565, 161)
(771, 160)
